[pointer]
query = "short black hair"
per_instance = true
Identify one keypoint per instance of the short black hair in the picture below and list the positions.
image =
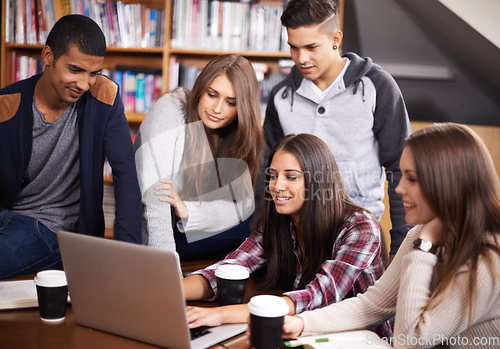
(77, 30)
(301, 13)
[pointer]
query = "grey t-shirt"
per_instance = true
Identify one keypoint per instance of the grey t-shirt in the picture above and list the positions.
(52, 193)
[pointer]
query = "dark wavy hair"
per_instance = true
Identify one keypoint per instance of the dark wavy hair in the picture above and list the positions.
(303, 13)
(321, 217)
(77, 30)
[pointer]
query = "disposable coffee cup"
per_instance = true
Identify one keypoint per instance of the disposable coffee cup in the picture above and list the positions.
(231, 283)
(52, 292)
(267, 314)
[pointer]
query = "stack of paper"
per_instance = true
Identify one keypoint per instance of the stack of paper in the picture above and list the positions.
(18, 294)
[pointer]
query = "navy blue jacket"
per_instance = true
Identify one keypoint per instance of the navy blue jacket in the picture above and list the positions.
(103, 132)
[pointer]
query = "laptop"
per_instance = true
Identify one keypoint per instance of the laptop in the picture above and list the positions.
(133, 291)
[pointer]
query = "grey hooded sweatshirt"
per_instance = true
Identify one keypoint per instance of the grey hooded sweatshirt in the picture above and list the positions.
(364, 121)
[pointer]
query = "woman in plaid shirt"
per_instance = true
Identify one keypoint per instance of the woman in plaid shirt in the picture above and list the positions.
(316, 244)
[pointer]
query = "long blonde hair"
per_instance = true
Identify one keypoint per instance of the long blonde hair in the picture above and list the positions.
(459, 181)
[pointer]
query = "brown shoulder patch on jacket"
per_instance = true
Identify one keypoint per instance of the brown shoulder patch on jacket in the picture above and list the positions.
(104, 90)
(9, 104)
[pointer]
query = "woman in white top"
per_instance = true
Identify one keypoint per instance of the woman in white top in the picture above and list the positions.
(444, 284)
(197, 156)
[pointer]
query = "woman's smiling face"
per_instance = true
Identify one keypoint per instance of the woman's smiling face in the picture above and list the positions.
(416, 207)
(287, 185)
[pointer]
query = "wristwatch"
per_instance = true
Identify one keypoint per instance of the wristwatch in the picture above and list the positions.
(425, 246)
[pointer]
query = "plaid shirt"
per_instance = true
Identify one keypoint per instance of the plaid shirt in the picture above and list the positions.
(355, 264)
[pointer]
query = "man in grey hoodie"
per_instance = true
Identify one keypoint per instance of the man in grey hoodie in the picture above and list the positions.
(349, 102)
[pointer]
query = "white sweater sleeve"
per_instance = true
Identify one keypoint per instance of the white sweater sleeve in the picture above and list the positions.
(158, 151)
(404, 290)
(365, 310)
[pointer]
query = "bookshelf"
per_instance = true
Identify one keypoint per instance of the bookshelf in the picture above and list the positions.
(123, 54)
(142, 52)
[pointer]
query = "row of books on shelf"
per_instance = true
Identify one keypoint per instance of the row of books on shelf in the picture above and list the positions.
(139, 87)
(108, 205)
(184, 75)
(124, 24)
(228, 25)
(25, 66)
(181, 74)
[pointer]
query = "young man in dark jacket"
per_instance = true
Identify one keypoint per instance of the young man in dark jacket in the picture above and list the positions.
(56, 129)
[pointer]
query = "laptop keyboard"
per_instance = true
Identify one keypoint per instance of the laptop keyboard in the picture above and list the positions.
(199, 332)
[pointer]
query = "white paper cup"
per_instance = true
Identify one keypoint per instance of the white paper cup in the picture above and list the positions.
(267, 313)
(52, 292)
(231, 283)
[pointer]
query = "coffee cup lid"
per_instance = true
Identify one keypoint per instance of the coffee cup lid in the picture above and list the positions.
(268, 306)
(51, 278)
(232, 272)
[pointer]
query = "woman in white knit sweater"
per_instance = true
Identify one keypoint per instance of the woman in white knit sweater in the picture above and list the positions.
(197, 157)
(443, 286)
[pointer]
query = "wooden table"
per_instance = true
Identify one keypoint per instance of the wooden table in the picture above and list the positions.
(23, 329)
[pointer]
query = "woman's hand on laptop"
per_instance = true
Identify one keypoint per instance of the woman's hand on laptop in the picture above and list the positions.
(199, 316)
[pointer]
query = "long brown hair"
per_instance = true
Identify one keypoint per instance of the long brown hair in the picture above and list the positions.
(243, 138)
(321, 217)
(458, 180)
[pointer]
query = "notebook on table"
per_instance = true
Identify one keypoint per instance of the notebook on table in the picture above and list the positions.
(131, 290)
(361, 339)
